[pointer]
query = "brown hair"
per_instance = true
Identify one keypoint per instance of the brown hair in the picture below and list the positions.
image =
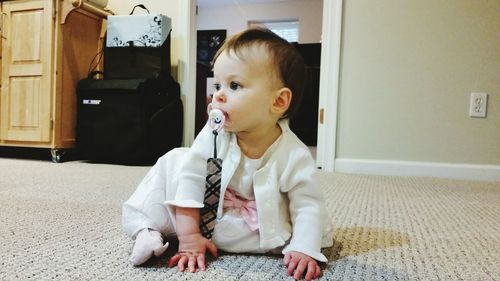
(288, 63)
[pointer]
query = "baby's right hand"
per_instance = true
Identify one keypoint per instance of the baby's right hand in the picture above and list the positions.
(192, 249)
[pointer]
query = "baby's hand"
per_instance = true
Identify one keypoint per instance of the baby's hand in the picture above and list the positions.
(301, 263)
(192, 249)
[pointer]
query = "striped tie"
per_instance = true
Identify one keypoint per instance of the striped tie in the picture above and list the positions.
(208, 213)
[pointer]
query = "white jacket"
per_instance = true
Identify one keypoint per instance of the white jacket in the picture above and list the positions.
(289, 201)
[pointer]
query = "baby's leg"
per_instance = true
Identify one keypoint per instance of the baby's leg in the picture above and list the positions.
(145, 208)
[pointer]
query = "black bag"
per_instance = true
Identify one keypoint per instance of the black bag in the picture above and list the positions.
(136, 60)
(133, 121)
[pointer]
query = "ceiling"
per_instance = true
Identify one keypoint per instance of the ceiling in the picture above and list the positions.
(222, 3)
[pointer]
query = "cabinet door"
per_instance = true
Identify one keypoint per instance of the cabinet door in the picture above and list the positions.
(26, 97)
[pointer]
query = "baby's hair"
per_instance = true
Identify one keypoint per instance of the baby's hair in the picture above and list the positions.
(289, 64)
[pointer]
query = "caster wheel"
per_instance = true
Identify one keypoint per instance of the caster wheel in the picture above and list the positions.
(56, 155)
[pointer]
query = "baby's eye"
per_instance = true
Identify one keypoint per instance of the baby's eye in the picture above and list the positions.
(217, 87)
(234, 86)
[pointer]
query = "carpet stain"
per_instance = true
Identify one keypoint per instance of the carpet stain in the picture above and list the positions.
(358, 240)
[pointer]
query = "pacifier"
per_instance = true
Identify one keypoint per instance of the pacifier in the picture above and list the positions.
(216, 118)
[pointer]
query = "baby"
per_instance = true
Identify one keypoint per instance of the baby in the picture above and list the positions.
(270, 201)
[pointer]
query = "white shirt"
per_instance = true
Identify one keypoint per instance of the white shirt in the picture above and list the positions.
(231, 232)
(290, 206)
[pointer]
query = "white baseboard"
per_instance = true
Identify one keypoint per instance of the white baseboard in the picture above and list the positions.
(425, 169)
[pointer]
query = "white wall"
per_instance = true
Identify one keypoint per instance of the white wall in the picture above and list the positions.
(235, 18)
(407, 70)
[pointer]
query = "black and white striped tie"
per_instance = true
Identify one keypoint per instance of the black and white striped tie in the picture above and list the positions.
(208, 214)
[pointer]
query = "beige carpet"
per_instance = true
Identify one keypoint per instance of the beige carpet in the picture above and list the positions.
(62, 222)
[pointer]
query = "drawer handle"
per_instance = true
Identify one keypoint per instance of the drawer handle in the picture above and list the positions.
(1, 26)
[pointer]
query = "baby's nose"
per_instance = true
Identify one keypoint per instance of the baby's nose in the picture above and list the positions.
(220, 96)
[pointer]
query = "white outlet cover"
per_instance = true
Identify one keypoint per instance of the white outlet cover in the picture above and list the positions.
(478, 104)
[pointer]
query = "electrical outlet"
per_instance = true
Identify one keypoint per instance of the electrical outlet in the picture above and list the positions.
(478, 103)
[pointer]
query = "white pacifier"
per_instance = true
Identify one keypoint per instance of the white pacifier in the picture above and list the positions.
(216, 119)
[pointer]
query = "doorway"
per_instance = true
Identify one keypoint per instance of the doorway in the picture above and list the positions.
(330, 29)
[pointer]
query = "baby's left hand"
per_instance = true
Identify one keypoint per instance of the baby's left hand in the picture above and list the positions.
(301, 263)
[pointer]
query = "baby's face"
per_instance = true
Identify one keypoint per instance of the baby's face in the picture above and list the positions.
(245, 89)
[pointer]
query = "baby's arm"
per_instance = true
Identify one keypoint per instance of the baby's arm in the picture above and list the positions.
(306, 213)
(302, 253)
(192, 245)
(189, 200)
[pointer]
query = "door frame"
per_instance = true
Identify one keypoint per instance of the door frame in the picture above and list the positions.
(329, 84)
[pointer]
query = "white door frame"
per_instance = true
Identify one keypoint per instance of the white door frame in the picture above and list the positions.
(187, 66)
(329, 78)
(329, 84)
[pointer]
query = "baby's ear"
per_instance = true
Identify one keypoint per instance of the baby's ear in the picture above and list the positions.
(282, 101)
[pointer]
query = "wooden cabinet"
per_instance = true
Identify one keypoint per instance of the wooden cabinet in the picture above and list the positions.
(46, 48)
